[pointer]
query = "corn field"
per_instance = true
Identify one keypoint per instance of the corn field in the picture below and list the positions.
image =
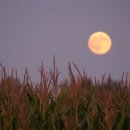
(76, 103)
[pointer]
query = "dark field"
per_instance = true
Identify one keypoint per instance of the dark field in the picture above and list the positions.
(77, 103)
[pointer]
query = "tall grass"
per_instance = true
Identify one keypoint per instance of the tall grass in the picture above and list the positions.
(74, 104)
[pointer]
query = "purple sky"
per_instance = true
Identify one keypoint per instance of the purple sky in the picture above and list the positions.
(34, 30)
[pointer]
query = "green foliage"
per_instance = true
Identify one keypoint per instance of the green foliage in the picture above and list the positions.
(75, 104)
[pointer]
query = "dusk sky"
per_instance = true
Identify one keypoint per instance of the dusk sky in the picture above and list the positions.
(32, 31)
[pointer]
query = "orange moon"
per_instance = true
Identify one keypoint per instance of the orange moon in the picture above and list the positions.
(99, 43)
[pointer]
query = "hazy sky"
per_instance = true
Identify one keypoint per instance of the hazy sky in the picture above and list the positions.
(32, 31)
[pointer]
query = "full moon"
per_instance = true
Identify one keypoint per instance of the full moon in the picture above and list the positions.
(99, 43)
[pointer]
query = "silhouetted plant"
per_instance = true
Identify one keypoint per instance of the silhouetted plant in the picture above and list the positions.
(76, 103)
